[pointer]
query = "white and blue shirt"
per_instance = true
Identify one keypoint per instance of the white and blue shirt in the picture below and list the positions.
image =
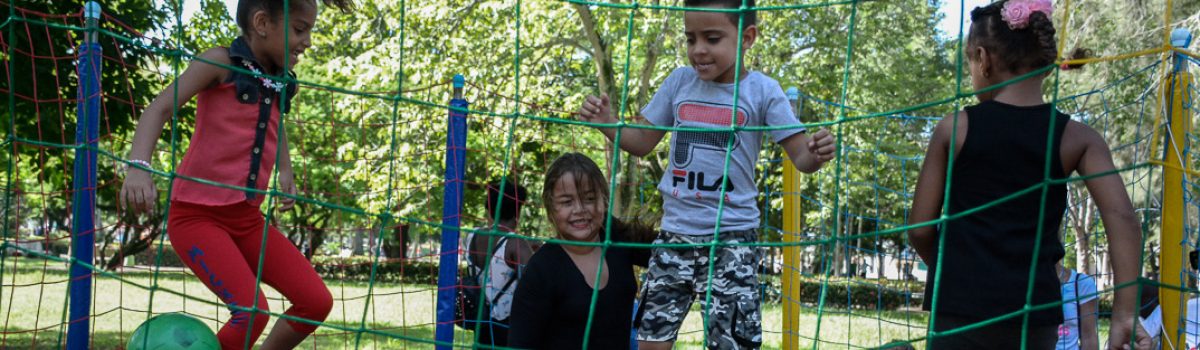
(1078, 285)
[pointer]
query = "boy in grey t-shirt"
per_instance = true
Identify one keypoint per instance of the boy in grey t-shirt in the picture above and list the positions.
(702, 96)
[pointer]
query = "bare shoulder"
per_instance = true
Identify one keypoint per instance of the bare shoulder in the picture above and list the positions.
(957, 119)
(217, 54)
(1079, 137)
(209, 63)
(1078, 141)
(1076, 132)
(953, 125)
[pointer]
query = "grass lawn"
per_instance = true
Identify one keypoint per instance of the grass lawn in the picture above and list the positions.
(33, 294)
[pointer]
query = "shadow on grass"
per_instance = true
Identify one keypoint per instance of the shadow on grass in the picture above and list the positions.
(416, 337)
(34, 266)
(16, 338)
(382, 336)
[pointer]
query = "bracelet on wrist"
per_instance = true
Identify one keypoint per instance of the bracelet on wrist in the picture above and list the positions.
(143, 163)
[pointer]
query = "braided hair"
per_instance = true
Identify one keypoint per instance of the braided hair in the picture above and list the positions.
(1019, 50)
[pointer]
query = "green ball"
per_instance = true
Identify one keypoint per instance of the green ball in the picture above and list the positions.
(173, 331)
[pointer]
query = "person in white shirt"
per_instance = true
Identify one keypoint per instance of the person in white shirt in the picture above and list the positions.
(1080, 308)
(1152, 321)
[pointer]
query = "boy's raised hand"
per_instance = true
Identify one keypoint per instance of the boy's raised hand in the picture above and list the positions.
(821, 145)
(636, 141)
(597, 109)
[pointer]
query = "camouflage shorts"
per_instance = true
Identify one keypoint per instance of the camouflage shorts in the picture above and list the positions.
(677, 276)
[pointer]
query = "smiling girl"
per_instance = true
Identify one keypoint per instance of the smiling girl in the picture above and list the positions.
(551, 307)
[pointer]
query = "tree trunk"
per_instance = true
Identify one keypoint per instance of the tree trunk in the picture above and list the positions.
(857, 253)
(1082, 217)
(836, 247)
(1105, 279)
(137, 241)
(356, 246)
(315, 239)
(397, 246)
(106, 238)
(625, 198)
(879, 265)
(600, 53)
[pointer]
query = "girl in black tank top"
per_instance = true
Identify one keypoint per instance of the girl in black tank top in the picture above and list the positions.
(1013, 142)
(1004, 153)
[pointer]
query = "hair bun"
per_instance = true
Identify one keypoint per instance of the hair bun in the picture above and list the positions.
(1076, 54)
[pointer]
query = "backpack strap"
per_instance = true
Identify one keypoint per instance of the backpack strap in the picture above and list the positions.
(504, 289)
(510, 282)
(487, 260)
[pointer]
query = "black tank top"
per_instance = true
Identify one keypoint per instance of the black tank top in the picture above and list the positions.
(988, 253)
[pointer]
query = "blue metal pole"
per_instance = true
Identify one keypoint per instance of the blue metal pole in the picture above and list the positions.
(83, 226)
(456, 145)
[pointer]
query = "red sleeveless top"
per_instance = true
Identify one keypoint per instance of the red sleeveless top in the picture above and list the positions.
(222, 147)
(235, 138)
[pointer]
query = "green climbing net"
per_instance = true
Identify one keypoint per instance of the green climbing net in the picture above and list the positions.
(368, 133)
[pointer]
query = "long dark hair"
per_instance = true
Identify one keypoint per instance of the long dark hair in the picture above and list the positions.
(588, 175)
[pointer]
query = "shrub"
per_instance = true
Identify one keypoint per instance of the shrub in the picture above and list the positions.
(856, 293)
(148, 256)
(358, 269)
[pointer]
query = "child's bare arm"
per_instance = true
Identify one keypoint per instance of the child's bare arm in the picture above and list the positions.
(517, 253)
(1088, 336)
(138, 192)
(809, 154)
(927, 199)
(198, 76)
(287, 177)
(1120, 224)
(636, 141)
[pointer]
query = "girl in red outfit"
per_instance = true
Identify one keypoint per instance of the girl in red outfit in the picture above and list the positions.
(218, 231)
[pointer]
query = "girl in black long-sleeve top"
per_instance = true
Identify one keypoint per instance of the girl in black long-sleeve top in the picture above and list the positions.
(553, 301)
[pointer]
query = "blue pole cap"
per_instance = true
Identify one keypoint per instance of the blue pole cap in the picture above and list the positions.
(459, 81)
(793, 93)
(1181, 37)
(91, 10)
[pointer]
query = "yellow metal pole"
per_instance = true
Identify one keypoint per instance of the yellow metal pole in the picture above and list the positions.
(793, 223)
(793, 220)
(1174, 91)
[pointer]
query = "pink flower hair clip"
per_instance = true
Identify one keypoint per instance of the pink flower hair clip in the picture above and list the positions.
(1016, 12)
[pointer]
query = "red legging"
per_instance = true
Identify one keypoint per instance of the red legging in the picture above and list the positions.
(221, 246)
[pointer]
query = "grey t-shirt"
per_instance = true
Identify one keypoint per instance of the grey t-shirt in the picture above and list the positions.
(691, 183)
